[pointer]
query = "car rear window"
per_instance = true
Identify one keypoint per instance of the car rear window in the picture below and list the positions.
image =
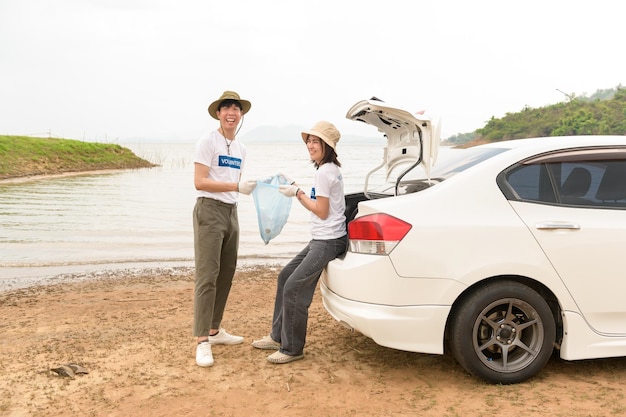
(450, 162)
(458, 160)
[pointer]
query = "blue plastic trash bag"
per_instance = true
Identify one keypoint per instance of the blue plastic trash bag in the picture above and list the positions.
(272, 207)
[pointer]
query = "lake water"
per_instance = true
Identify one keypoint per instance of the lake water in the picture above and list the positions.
(143, 218)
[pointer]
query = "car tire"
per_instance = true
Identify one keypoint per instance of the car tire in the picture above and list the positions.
(502, 332)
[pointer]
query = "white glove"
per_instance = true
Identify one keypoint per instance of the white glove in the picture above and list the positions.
(246, 187)
(288, 190)
(287, 178)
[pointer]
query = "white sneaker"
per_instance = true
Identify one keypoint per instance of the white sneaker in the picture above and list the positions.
(224, 338)
(279, 357)
(204, 356)
(266, 342)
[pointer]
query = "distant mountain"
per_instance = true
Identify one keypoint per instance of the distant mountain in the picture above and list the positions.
(600, 114)
(264, 134)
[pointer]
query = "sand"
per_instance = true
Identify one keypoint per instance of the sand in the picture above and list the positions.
(132, 333)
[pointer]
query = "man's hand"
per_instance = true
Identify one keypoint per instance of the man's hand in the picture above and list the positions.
(289, 190)
(246, 187)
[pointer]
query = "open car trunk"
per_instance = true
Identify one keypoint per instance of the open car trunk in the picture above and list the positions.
(412, 141)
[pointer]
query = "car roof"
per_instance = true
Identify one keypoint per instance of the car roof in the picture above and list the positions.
(518, 150)
(558, 142)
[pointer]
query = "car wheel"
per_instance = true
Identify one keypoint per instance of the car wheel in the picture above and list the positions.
(503, 332)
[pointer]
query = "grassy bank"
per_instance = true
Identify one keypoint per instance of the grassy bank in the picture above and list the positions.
(22, 156)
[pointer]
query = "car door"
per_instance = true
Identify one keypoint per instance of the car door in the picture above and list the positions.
(575, 206)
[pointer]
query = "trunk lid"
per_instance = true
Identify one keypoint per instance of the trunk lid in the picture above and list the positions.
(412, 138)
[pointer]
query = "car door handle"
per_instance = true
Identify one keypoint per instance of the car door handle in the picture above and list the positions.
(556, 225)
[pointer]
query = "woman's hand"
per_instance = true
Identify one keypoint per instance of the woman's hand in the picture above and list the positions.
(289, 190)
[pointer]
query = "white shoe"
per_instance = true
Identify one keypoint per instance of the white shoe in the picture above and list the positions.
(279, 357)
(224, 338)
(204, 356)
(266, 342)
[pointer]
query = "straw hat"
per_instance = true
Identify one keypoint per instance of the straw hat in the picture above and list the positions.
(325, 131)
(228, 95)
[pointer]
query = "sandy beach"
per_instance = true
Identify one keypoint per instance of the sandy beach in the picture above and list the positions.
(132, 333)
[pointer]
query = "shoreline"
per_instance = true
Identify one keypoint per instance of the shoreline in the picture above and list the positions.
(28, 178)
(22, 277)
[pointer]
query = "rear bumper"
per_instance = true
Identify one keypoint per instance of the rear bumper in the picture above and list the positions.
(411, 328)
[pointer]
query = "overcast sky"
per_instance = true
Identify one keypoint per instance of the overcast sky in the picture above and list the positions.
(114, 70)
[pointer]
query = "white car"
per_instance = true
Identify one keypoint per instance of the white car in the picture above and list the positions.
(500, 253)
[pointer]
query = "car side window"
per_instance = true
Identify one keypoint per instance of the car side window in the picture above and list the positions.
(611, 191)
(592, 183)
(531, 183)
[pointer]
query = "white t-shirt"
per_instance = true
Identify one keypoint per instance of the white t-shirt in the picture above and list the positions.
(212, 151)
(328, 182)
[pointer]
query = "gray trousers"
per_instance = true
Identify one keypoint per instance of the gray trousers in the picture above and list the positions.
(216, 242)
(294, 292)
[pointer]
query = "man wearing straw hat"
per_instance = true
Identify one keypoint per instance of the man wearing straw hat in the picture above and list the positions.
(218, 165)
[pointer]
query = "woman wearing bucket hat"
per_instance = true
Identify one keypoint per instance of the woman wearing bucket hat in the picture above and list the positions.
(298, 279)
(218, 165)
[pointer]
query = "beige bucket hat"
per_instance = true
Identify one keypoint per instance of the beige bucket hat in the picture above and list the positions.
(228, 95)
(325, 131)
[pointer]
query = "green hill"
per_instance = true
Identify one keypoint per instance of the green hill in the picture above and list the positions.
(22, 156)
(604, 113)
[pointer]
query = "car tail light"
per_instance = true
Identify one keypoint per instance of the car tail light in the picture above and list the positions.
(376, 234)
